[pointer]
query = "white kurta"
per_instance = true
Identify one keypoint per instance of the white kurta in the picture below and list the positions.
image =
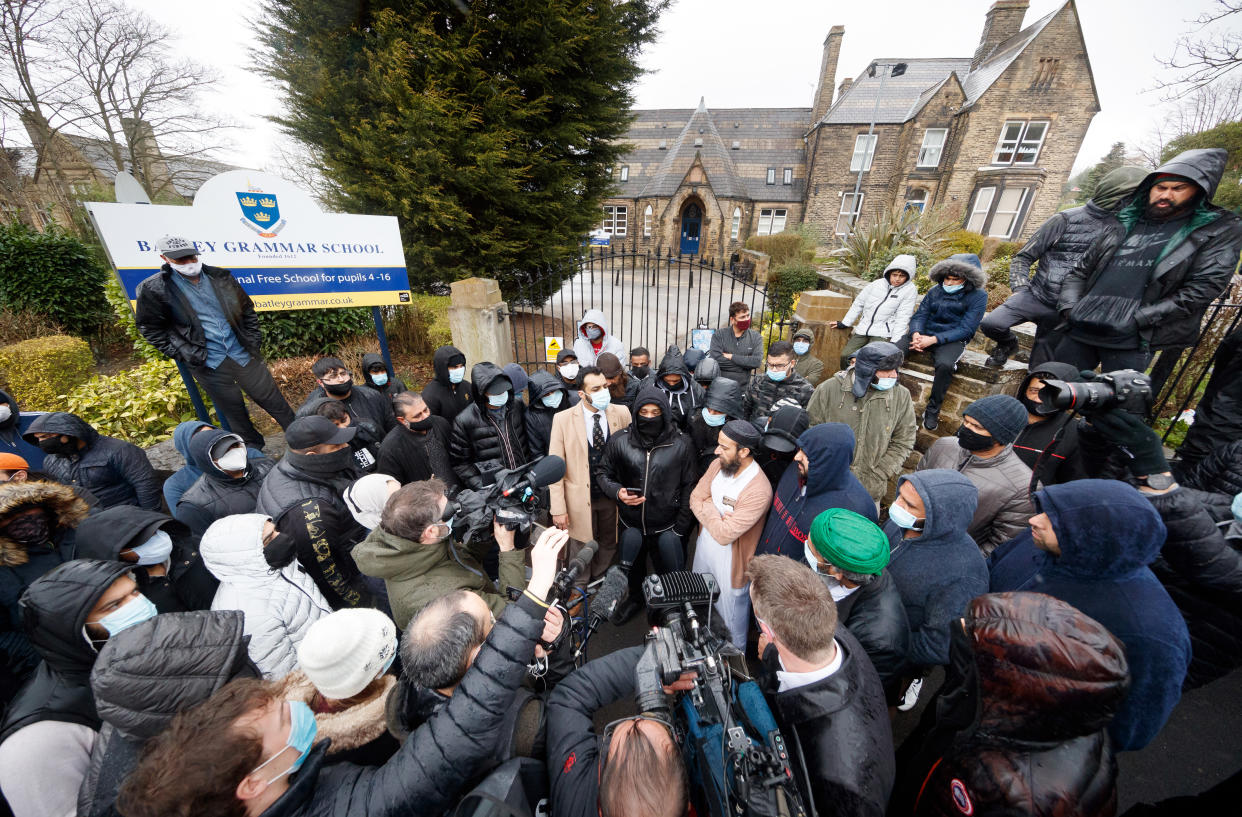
(716, 558)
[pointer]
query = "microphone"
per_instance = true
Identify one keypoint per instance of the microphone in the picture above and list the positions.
(614, 590)
(563, 584)
(539, 474)
(582, 559)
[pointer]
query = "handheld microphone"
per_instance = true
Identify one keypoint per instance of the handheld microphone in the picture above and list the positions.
(614, 590)
(582, 559)
(563, 584)
(540, 474)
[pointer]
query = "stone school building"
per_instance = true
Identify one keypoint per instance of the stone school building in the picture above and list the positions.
(992, 135)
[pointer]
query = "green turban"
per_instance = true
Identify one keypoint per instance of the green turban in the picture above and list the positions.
(849, 541)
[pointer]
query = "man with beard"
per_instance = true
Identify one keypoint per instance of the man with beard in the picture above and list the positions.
(1144, 284)
(731, 502)
(417, 449)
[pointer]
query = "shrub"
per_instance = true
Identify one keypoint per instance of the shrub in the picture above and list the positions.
(125, 320)
(786, 283)
(960, 241)
(421, 327)
(16, 326)
(865, 251)
(52, 274)
(38, 371)
(784, 248)
(300, 332)
(293, 377)
(142, 405)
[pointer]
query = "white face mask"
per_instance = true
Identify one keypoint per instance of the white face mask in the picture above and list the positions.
(5, 412)
(569, 371)
(233, 460)
(190, 270)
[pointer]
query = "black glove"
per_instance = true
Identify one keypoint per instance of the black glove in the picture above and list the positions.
(1129, 433)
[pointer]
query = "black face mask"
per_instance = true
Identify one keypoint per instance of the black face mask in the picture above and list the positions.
(339, 389)
(640, 371)
(31, 530)
(280, 551)
(420, 427)
(649, 427)
(53, 445)
(973, 440)
(329, 464)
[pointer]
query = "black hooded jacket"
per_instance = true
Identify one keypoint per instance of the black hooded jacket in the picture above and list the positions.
(215, 494)
(54, 612)
(444, 398)
(366, 407)
(722, 395)
(189, 585)
(687, 398)
(168, 322)
(1195, 268)
(1052, 443)
(485, 440)
(116, 472)
(662, 466)
(1218, 417)
(408, 456)
(538, 416)
(393, 387)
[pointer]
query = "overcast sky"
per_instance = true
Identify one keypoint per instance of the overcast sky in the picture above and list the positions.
(757, 53)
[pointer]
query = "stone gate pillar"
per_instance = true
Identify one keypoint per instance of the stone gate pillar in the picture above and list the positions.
(815, 309)
(479, 320)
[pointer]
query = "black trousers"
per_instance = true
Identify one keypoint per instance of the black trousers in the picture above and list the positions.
(1084, 357)
(944, 360)
(666, 550)
(225, 384)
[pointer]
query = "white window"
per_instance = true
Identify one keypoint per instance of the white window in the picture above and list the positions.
(736, 229)
(979, 213)
(864, 151)
(933, 145)
(788, 178)
(1019, 143)
(1008, 205)
(771, 175)
(771, 222)
(647, 222)
(625, 173)
(614, 220)
(851, 206)
(916, 200)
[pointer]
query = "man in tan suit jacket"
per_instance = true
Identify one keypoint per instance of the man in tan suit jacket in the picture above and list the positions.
(578, 436)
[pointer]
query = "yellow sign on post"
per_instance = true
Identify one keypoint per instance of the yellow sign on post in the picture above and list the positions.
(552, 347)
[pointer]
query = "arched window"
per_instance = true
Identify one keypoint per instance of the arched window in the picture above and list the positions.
(737, 223)
(647, 222)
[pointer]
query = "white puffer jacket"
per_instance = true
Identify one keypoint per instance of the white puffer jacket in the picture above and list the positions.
(582, 345)
(883, 309)
(279, 605)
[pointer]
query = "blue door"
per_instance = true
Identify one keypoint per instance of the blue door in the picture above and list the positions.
(691, 224)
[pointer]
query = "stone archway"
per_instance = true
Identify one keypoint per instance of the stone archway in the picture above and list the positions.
(690, 221)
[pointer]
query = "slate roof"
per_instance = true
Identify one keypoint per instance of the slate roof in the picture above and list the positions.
(698, 139)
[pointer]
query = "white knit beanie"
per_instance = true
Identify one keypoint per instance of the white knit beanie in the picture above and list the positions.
(346, 650)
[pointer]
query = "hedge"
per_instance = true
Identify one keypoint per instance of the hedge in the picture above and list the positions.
(142, 405)
(54, 274)
(39, 371)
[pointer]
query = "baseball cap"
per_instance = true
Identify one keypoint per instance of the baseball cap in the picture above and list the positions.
(175, 246)
(308, 432)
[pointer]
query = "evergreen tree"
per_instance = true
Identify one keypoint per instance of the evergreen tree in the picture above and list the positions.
(1229, 137)
(486, 126)
(1115, 158)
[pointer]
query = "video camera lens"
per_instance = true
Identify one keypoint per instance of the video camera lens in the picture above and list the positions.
(1125, 389)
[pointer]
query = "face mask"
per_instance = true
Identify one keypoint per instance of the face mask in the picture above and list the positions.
(743, 325)
(1034, 406)
(809, 555)
(136, 611)
(53, 445)
(801, 347)
(233, 460)
(594, 333)
(903, 518)
(1236, 508)
(155, 550)
(569, 371)
(973, 440)
(714, 420)
(777, 376)
(302, 731)
(884, 383)
(640, 371)
(280, 551)
(601, 399)
(951, 287)
(457, 375)
(5, 412)
(380, 379)
(190, 270)
(553, 400)
(339, 389)
(420, 426)
(649, 426)
(498, 400)
(29, 530)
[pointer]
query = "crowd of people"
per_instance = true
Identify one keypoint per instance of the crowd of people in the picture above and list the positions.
(316, 634)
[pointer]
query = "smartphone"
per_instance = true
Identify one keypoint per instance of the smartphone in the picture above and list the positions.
(635, 491)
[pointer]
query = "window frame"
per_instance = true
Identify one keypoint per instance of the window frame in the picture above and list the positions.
(853, 216)
(787, 176)
(985, 211)
(920, 203)
(625, 173)
(920, 161)
(1012, 214)
(771, 175)
(1016, 148)
(612, 225)
(863, 160)
(735, 228)
(647, 219)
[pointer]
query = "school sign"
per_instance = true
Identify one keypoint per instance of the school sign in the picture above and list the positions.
(284, 251)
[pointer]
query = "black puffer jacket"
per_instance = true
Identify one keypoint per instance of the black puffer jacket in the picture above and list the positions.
(189, 585)
(1219, 472)
(538, 416)
(1218, 417)
(390, 389)
(168, 322)
(1052, 445)
(485, 441)
(686, 399)
(116, 472)
(1019, 726)
(54, 611)
(439, 759)
(875, 615)
(663, 466)
(146, 675)
(445, 398)
(1197, 267)
(764, 393)
(838, 729)
(215, 494)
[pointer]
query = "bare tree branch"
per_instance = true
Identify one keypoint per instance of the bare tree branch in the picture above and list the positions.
(1207, 54)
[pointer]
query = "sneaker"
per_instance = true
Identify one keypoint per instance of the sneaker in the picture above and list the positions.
(931, 418)
(912, 695)
(1001, 353)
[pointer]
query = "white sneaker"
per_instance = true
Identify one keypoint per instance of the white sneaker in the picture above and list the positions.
(912, 695)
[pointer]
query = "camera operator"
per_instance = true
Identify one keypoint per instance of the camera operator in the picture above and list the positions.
(823, 690)
(637, 769)
(413, 551)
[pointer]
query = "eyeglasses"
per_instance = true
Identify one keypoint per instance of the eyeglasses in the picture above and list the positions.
(337, 376)
(606, 737)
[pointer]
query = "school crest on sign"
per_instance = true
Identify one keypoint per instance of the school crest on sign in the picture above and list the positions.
(261, 212)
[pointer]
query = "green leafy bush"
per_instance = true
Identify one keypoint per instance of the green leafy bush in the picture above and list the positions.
(38, 371)
(960, 241)
(52, 274)
(299, 332)
(869, 248)
(125, 320)
(142, 405)
(790, 246)
(786, 283)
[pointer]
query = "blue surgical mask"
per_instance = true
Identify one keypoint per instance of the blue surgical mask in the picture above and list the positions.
(1236, 507)
(714, 420)
(801, 347)
(134, 611)
(951, 287)
(498, 400)
(594, 332)
(776, 376)
(457, 375)
(302, 731)
(601, 399)
(884, 383)
(554, 399)
(903, 518)
(381, 379)
(154, 551)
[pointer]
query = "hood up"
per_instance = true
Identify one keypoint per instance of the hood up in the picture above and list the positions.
(61, 422)
(964, 264)
(707, 371)
(724, 394)
(1105, 529)
(596, 317)
(372, 359)
(1203, 166)
(68, 511)
(481, 376)
(232, 549)
(147, 674)
(829, 451)
(950, 500)
(542, 383)
(1117, 186)
(182, 434)
(443, 359)
(201, 447)
(517, 376)
(1052, 370)
(904, 263)
(15, 410)
(55, 607)
(107, 533)
(648, 394)
(674, 362)
(876, 356)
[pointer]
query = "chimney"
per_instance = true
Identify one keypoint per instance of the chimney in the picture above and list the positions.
(827, 73)
(1003, 21)
(845, 86)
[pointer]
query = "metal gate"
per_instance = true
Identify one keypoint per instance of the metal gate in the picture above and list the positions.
(649, 299)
